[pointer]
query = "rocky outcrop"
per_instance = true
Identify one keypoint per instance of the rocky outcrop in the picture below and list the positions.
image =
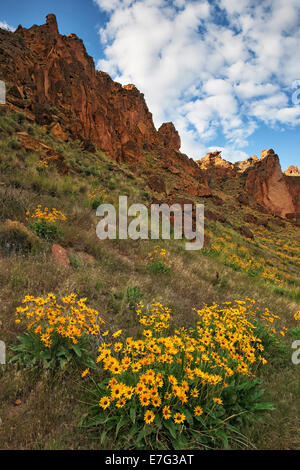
(292, 171)
(52, 79)
(245, 164)
(293, 184)
(216, 167)
(60, 255)
(268, 185)
(169, 137)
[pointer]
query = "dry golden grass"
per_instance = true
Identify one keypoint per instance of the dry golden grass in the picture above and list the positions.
(50, 409)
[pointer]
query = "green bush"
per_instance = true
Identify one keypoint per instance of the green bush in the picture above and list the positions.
(31, 351)
(159, 267)
(59, 331)
(46, 230)
(182, 389)
(134, 296)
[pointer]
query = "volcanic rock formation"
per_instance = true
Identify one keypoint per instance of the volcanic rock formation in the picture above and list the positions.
(292, 171)
(216, 167)
(269, 186)
(53, 80)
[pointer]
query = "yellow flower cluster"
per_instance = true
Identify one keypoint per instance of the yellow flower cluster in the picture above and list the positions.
(70, 318)
(97, 194)
(287, 250)
(43, 164)
(241, 258)
(46, 215)
(160, 255)
(189, 368)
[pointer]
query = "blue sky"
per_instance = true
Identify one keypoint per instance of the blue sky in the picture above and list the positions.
(226, 72)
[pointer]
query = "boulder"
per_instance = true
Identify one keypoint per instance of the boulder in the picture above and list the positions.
(60, 255)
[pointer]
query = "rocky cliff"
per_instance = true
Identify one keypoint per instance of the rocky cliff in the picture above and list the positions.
(292, 171)
(53, 80)
(216, 167)
(268, 185)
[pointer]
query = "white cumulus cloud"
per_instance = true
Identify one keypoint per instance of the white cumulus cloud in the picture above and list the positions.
(4, 25)
(214, 68)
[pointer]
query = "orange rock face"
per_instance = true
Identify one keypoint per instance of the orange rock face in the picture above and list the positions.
(169, 136)
(292, 171)
(293, 183)
(245, 164)
(58, 77)
(54, 81)
(268, 185)
(216, 167)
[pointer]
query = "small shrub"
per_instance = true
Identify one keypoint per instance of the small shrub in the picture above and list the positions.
(111, 185)
(96, 198)
(145, 196)
(14, 144)
(46, 230)
(75, 261)
(44, 224)
(57, 332)
(20, 118)
(158, 261)
(134, 296)
(159, 267)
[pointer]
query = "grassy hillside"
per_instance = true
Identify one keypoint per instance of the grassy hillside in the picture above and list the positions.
(42, 408)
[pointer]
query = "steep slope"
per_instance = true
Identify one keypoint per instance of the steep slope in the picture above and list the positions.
(53, 79)
(37, 168)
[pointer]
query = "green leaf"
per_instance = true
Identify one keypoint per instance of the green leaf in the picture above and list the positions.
(263, 406)
(222, 435)
(83, 418)
(102, 437)
(133, 431)
(132, 414)
(25, 339)
(76, 349)
(90, 363)
(180, 443)
(16, 357)
(144, 433)
(19, 347)
(170, 426)
(46, 355)
(189, 416)
(120, 424)
(62, 362)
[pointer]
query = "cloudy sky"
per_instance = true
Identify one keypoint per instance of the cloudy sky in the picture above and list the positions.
(226, 72)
